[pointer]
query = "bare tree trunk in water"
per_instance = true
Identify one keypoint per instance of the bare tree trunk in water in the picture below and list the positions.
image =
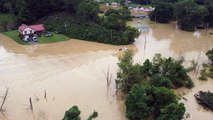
(31, 104)
(4, 99)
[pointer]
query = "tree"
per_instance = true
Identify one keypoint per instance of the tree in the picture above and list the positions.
(57, 5)
(172, 69)
(189, 15)
(156, 2)
(131, 33)
(163, 97)
(163, 13)
(128, 74)
(144, 2)
(116, 19)
(72, 5)
(24, 13)
(93, 115)
(72, 114)
(160, 81)
(173, 111)
(209, 54)
(88, 10)
(112, 20)
(136, 107)
(209, 18)
(145, 100)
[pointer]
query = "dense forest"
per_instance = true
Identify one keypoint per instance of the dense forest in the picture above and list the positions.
(81, 19)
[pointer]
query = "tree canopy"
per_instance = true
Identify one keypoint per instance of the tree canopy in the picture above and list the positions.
(74, 114)
(189, 15)
(144, 100)
(209, 54)
(163, 13)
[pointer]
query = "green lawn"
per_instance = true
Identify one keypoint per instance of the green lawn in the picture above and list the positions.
(15, 36)
(55, 38)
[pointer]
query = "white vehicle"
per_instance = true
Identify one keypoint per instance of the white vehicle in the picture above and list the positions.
(25, 38)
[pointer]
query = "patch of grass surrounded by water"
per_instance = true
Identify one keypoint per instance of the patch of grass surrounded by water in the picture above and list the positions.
(54, 38)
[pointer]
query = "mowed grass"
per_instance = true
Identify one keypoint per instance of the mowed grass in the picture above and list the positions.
(54, 38)
(15, 36)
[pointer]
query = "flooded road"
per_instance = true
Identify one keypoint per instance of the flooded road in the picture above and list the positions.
(72, 73)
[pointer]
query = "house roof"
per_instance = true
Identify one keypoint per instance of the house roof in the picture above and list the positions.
(39, 27)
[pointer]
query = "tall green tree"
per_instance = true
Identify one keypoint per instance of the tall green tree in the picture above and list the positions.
(160, 81)
(72, 5)
(136, 104)
(145, 100)
(128, 74)
(163, 13)
(88, 10)
(173, 111)
(209, 18)
(189, 15)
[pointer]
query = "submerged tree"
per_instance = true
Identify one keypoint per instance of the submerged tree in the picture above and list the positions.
(209, 54)
(189, 15)
(136, 104)
(161, 103)
(72, 114)
(163, 13)
(160, 81)
(128, 74)
(173, 111)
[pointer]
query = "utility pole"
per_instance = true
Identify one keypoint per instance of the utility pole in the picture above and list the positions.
(111, 34)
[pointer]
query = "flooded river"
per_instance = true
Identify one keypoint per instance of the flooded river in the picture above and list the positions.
(72, 73)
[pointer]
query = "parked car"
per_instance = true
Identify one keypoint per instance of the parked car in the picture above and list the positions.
(30, 39)
(35, 39)
(48, 34)
(25, 39)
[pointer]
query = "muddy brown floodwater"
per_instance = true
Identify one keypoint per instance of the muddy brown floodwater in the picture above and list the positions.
(72, 73)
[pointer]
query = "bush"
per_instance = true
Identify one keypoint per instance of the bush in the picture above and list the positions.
(72, 114)
(209, 54)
